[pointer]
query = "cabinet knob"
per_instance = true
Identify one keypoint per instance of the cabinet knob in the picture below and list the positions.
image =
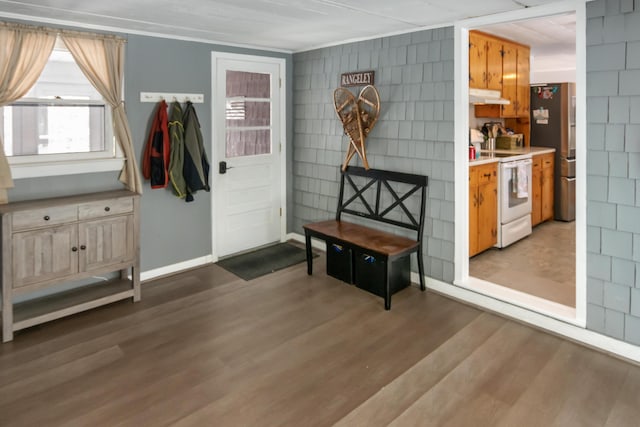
(74, 249)
(47, 218)
(107, 209)
(83, 247)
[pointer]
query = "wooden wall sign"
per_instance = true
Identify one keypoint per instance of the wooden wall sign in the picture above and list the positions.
(357, 78)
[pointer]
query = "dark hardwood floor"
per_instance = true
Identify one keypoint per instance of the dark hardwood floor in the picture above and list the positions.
(204, 348)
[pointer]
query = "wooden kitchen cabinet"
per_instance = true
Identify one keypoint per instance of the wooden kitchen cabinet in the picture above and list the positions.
(536, 190)
(542, 188)
(483, 207)
(485, 62)
(547, 186)
(54, 241)
(515, 80)
(514, 61)
(523, 91)
(509, 79)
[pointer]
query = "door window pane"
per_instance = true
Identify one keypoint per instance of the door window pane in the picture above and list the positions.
(248, 113)
(248, 142)
(249, 85)
(242, 113)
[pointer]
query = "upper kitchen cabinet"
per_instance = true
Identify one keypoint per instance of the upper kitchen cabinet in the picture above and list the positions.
(523, 71)
(485, 62)
(513, 62)
(515, 80)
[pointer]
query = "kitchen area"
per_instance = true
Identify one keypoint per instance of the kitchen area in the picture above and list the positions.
(521, 171)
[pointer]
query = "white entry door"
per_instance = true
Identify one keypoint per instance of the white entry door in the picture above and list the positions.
(248, 180)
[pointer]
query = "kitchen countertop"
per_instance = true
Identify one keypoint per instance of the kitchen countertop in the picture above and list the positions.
(501, 155)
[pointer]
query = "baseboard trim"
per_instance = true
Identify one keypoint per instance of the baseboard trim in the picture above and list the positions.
(175, 268)
(316, 244)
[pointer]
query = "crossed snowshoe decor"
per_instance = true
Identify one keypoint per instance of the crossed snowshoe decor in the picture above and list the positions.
(358, 117)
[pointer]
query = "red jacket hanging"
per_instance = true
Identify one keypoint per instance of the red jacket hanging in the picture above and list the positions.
(155, 161)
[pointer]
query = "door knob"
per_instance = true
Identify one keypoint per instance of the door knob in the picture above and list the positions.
(222, 167)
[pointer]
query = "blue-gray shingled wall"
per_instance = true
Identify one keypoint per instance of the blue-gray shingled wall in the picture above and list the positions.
(613, 168)
(415, 78)
(414, 73)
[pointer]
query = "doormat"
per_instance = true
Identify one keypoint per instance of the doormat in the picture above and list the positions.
(263, 261)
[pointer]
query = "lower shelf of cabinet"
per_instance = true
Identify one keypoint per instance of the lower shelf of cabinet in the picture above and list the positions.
(46, 309)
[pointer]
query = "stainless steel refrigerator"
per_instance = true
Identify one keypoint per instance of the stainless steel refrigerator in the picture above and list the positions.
(553, 124)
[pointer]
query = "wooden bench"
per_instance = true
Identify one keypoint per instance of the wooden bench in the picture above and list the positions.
(373, 259)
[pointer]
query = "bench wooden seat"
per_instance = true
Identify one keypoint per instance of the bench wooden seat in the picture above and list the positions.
(368, 189)
(371, 239)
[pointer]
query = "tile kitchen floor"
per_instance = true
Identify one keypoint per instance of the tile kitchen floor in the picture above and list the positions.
(542, 264)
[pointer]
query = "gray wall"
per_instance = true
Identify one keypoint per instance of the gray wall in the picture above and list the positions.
(172, 231)
(613, 168)
(414, 75)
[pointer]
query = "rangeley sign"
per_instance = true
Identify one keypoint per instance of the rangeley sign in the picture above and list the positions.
(357, 78)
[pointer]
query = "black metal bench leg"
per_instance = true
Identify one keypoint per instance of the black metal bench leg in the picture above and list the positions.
(421, 268)
(307, 241)
(387, 291)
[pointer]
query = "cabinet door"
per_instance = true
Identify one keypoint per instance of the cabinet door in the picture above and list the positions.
(547, 193)
(523, 91)
(509, 79)
(536, 189)
(477, 61)
(106, 242)
(487, 215)
(473, 220)
(473, 212)
(45, 254)
(487, 206)
(494, 64)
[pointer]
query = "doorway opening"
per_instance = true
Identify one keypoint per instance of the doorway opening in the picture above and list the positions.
(542, 272)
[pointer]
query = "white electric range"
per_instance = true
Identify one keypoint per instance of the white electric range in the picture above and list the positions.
(514, 195)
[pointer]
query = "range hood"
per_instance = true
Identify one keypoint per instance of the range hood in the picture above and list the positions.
(486, 96)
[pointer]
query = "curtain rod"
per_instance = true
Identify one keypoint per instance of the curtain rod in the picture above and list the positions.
(60, 31)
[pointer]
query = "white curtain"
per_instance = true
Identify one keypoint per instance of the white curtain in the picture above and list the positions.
(101, 59)
(24, 51)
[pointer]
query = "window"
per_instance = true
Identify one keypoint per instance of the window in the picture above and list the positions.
(62, 118)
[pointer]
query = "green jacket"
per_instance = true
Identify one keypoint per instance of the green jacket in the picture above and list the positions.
(176, 162)
(196, 165)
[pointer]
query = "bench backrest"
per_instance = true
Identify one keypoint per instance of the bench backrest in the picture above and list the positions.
(367, 198)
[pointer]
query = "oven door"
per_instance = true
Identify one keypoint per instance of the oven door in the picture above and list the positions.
(515, 190)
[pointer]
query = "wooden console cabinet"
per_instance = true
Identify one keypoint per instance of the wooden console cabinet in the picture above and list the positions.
(483, 207)
(54, 241)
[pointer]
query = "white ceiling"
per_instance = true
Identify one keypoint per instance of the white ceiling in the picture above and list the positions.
(552, 40)
(288, 25)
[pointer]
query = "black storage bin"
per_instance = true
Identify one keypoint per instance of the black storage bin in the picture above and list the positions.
(370, 273)
(339, 262)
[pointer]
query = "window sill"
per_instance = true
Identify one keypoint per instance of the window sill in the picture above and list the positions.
(68, 167)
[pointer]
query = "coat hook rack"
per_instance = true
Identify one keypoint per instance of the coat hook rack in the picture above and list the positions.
(196, 98)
